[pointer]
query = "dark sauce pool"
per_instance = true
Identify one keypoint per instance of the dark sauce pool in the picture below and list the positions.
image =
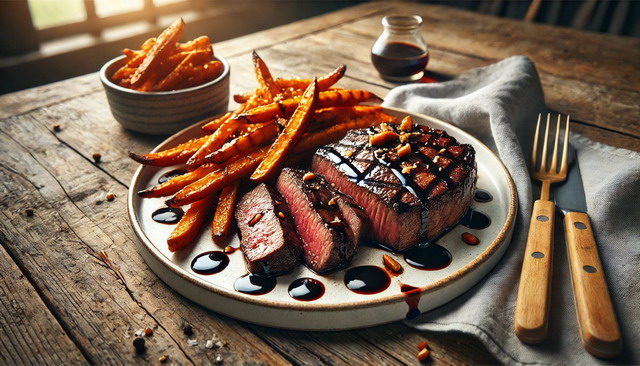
(366, 280)
(254, 285)
(306, 289)
(482, 196)
(209, 263)
(167, 215)
(428, 257)
(475, 220)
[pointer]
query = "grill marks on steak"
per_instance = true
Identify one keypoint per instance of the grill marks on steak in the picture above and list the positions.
(329, 224)
(407, 198)
(269, 241)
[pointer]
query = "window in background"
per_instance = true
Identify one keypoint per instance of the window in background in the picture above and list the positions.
(49, 13)
(105, 8)
(163, 2)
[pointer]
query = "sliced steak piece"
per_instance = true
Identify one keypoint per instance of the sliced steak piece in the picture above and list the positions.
(329, 242)
(412, 183)
(268, 237)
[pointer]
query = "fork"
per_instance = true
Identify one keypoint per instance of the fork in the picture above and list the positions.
(532, 304)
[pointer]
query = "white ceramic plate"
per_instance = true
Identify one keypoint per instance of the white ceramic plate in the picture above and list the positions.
(339, 307)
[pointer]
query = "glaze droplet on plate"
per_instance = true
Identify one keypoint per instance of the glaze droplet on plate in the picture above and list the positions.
(366, 280)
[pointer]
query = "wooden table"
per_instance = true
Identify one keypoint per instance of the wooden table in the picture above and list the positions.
(74, 289)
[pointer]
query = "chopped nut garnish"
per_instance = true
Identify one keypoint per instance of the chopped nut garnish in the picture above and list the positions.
(229, 249)
(423, 355)
(281, 214)
(56, 128)
(382, 138)
(422, 345)
(308, 176)
(148, 332)
(96, 157)
(470, 238)
(407, 169)
(332, 201)
(209, 344)
(442, 150)
(391, 263)
(277, 202)
(404, 150)
(29, 211)
(348, 153)
(407, 124)
(163, 358)
(111, 197)
(404, 137)
(255, 219)
(335, 223)
(436, 159)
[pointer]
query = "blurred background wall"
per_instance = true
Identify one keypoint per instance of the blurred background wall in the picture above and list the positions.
(42, 41)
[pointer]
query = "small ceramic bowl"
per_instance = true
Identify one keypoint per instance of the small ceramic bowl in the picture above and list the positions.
(162, 113)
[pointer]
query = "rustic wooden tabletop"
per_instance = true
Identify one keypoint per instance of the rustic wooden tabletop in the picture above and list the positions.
(74, 289)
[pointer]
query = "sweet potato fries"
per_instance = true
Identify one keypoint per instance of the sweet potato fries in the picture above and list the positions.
(163, 64)
(278, 123)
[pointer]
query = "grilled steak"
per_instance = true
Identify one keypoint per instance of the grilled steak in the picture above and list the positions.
(329, 237)
(268, 237)
(412, 181)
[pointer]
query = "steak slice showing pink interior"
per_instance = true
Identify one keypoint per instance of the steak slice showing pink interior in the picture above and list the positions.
(268, 237)
(329, 242)
(412, 184)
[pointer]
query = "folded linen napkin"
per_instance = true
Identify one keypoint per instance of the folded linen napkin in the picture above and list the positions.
(498, 104)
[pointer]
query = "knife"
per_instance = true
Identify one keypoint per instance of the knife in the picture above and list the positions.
(599, 328)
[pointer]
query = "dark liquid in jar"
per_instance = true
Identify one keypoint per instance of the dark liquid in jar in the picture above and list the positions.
(306, 289)
(210, 263)
(398, 59)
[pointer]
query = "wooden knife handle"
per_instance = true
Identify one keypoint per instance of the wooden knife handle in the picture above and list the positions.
(599, 328)
(534, 291)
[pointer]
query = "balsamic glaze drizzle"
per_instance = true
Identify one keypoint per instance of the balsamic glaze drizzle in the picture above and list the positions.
(428, 256)
(366, 280)
(306, 289)
(209, 263)
(167, 215)
(254, 285)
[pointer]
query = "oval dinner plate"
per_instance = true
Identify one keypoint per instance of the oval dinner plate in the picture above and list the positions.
(339, 307)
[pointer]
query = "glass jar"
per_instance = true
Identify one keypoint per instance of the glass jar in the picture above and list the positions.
(400, 53)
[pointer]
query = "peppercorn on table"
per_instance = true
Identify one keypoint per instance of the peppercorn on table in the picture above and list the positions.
(76, 291)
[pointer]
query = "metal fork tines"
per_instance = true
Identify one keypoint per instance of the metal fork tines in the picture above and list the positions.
(532, 304)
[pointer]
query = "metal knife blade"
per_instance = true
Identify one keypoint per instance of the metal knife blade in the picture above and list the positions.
(569, 196)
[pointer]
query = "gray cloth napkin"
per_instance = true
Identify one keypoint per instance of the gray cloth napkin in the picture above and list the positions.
(499, 104)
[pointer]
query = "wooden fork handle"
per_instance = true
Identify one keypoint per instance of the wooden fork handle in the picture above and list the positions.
(599, 328)
(534, 291)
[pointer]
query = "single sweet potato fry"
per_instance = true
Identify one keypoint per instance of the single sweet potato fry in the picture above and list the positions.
(285, 108)
(175, 155)
(189, 226)
(324, 82)
(289, 137)
(175, 184)
(244, 143)
(223, 218)
(183, 70)
(165, 44)
(217, 180)
(265, 80)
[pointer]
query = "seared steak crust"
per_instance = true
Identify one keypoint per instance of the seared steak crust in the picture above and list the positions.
(409, 193)
(268, 237)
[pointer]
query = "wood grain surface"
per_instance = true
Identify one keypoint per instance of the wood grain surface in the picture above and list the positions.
(74, 289)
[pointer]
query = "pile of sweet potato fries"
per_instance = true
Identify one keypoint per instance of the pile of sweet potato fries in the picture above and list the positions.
(163, 64)
(280, 122)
